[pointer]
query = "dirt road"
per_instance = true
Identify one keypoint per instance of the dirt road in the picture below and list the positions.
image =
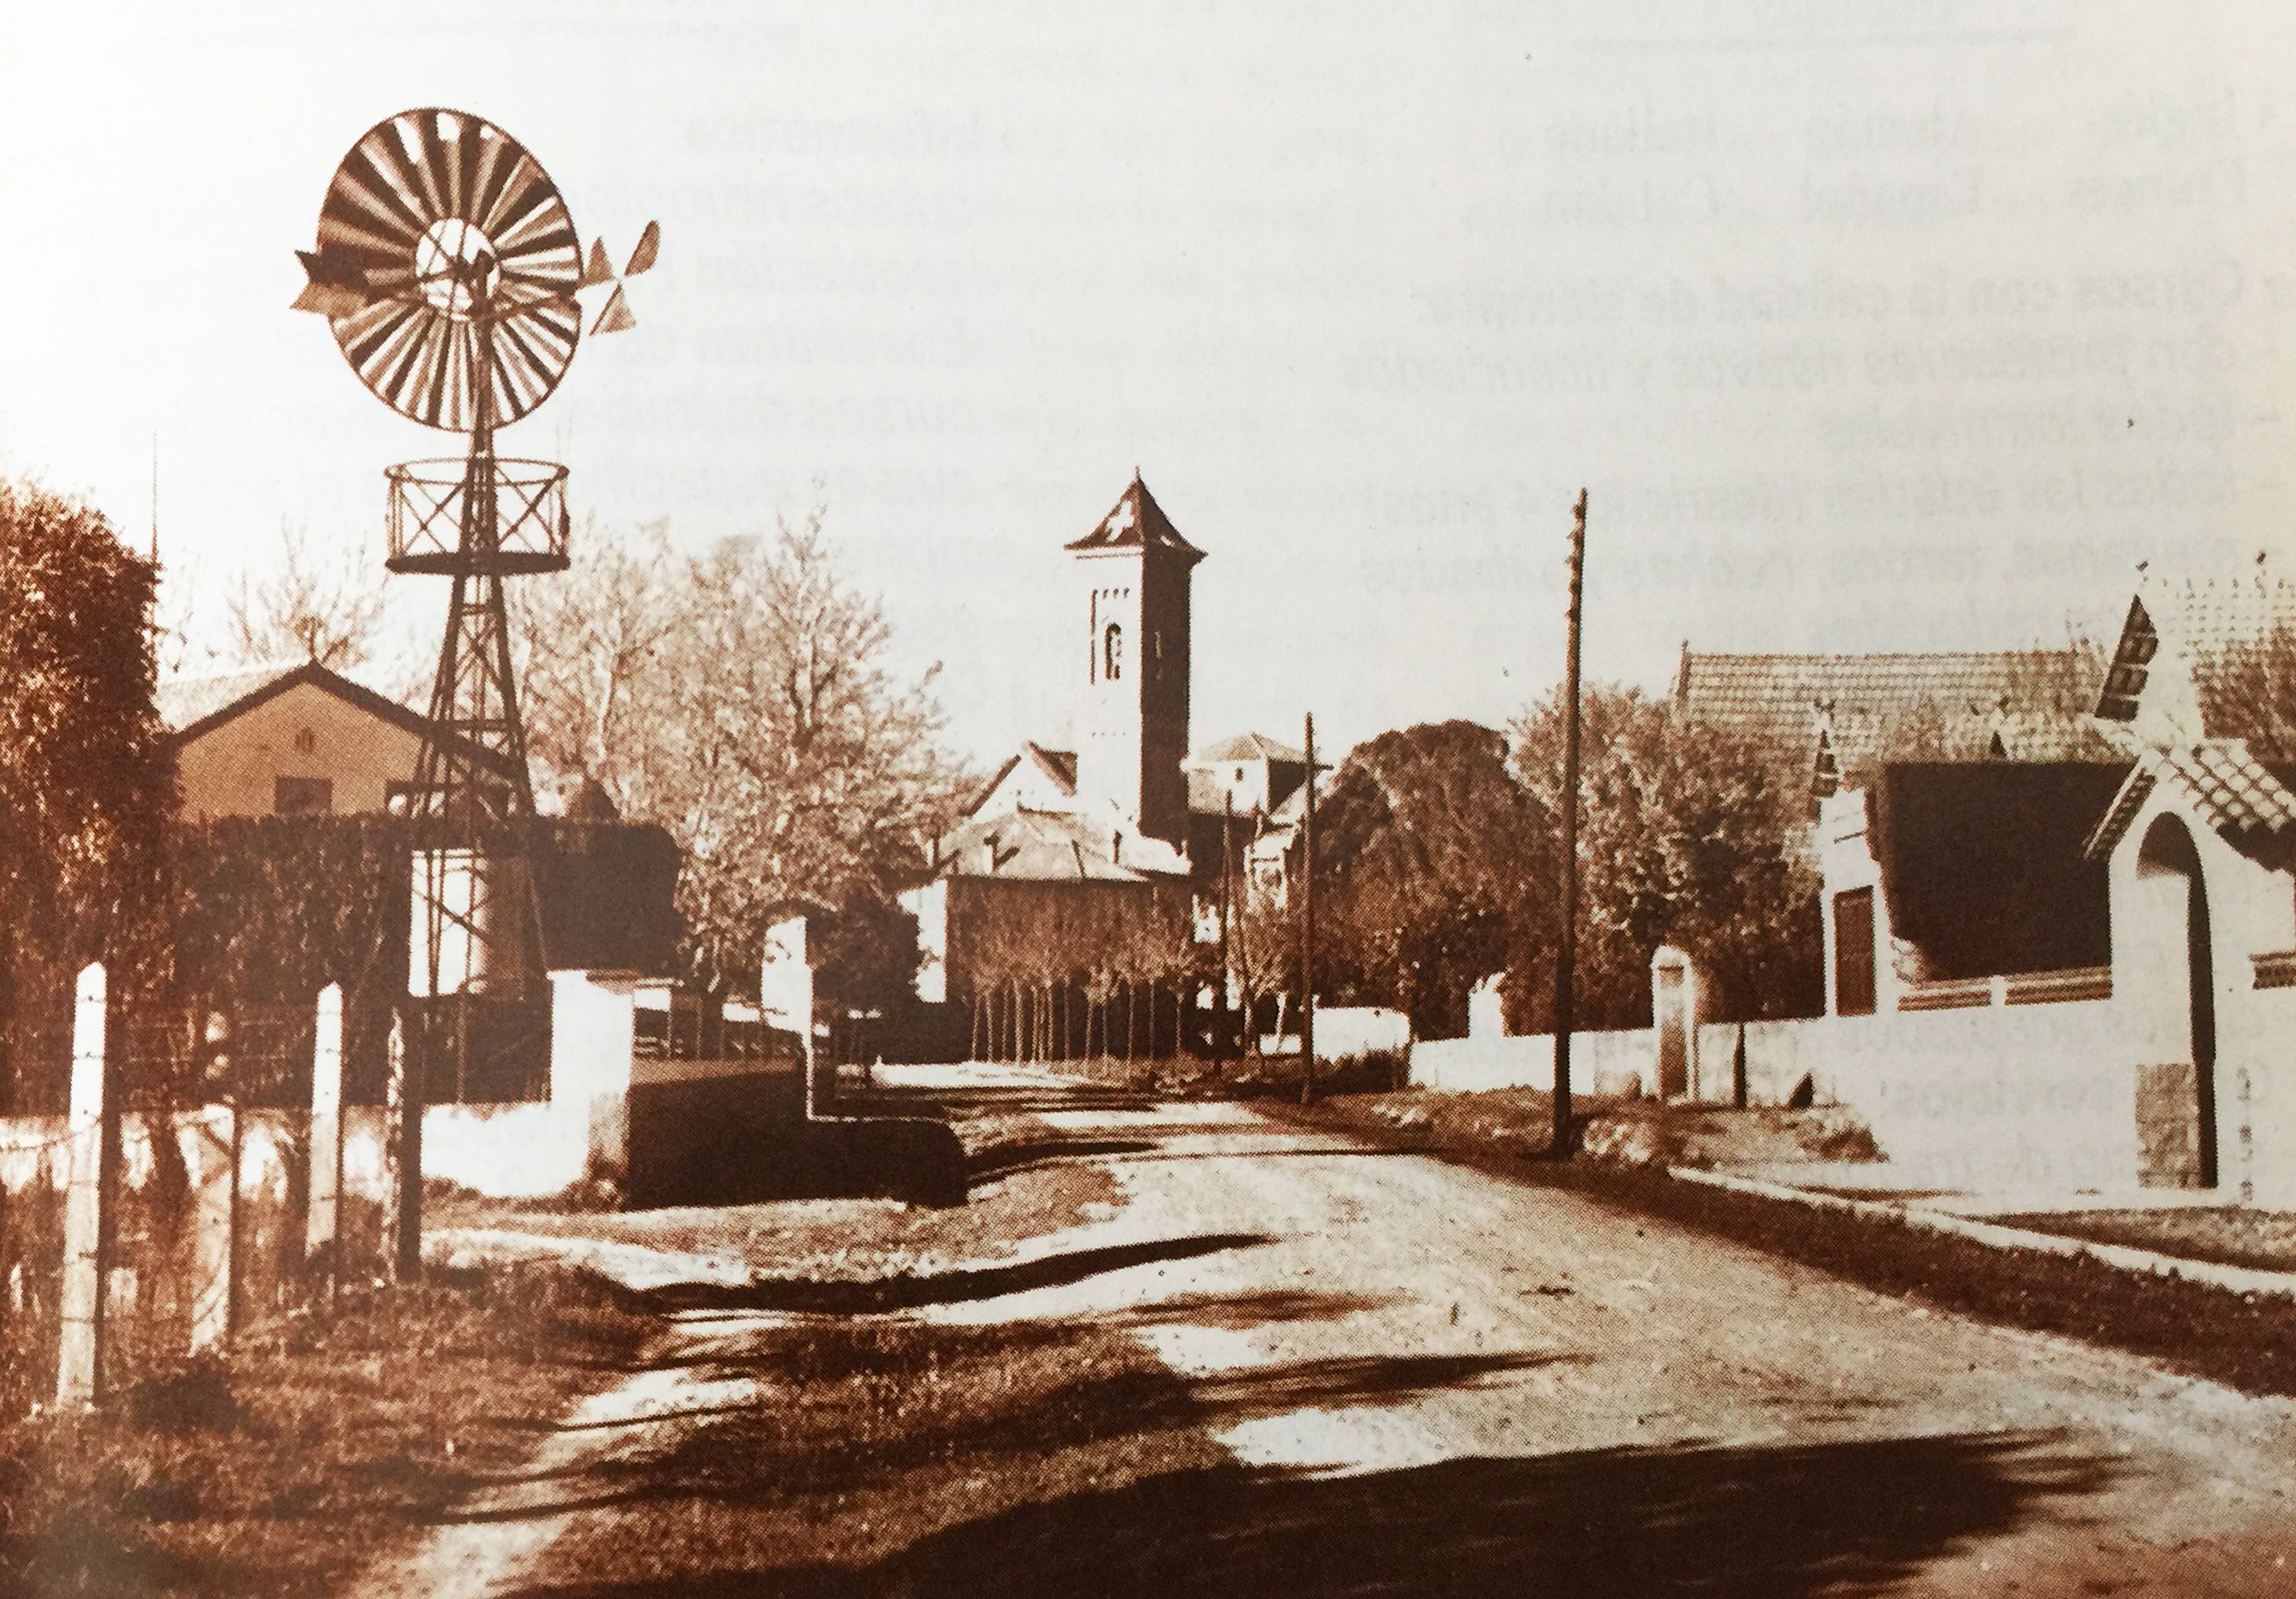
(1445, 1384)
(1692, 1404)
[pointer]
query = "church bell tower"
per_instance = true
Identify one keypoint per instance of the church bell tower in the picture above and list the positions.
(1132, 713)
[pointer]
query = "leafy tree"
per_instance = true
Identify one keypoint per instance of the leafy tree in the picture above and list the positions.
(1688, 835)
(1425, 849)
(87, 779)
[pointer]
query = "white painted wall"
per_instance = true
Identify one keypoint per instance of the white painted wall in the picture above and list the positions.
(1342, 1030)
(507, 1151)
(2039, 1095)
(1601, 1062)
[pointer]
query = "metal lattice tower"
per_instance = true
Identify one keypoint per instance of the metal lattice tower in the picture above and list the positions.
(448, 269)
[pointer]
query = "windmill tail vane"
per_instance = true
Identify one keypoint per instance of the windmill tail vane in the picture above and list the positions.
(616, 317)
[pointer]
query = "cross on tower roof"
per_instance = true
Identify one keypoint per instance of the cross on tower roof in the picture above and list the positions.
(1137, 521)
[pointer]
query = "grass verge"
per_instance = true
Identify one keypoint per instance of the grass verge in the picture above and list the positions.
(2246, 1341)
(312, 1447)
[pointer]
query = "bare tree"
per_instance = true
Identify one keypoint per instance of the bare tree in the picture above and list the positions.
(744, 700)
(313, 605)
(598, 644)
(180, 638)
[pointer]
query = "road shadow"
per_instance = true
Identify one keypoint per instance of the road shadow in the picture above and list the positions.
(1752, 1522)
(1032, 1154)
(1013, 1098)
(903, 1291)
(742, 1457)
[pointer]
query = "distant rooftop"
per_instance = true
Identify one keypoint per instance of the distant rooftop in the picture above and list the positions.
(1248, 747)
(1036, 846)
(193, 697)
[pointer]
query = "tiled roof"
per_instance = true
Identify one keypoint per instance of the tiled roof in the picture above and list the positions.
(2234, 792)
(1971, 705)
(2250, 802)
(1137, 521)
(2196, 623)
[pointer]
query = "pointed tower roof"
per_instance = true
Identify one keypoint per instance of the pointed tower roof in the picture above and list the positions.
(1137, 521)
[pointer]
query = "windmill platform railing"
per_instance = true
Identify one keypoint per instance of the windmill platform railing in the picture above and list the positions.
(427, 506)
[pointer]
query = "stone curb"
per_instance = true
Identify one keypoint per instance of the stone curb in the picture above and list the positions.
(2233, 1279)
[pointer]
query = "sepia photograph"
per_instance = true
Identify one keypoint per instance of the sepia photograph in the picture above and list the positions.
(644, 954)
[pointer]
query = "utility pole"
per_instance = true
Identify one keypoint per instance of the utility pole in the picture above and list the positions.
(1307, 929)
(1565, 1141)
(1226, 966)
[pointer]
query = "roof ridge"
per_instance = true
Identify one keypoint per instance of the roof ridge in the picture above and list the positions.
(1994, 653)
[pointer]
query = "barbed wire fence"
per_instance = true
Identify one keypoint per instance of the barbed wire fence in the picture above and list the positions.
(194, 1129)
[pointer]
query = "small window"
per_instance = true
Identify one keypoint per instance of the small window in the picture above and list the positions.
(306, 741)
(302, 795)
(1853, 952)
(1111, 653)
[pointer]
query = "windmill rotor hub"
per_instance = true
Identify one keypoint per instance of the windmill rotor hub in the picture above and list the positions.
(456, 267)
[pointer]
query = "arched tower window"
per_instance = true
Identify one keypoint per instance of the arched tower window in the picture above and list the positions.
(1111, 653)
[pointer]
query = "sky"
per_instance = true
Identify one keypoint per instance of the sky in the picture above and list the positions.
(1863, 326)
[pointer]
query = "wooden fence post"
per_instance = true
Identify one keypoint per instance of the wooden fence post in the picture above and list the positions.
(215, 1134)
(79, 1366)
(323, 1223)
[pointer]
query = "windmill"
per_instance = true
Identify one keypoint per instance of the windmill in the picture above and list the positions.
(449, 270)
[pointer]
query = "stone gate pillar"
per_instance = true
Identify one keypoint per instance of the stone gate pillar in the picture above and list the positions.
(593, 1037)
(1674, 1017)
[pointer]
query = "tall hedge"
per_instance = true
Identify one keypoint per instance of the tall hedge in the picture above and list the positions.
(266, 910)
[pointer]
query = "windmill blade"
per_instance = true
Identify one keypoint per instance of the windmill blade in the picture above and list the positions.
(616, 317)
(596, 271)
(649, 246)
